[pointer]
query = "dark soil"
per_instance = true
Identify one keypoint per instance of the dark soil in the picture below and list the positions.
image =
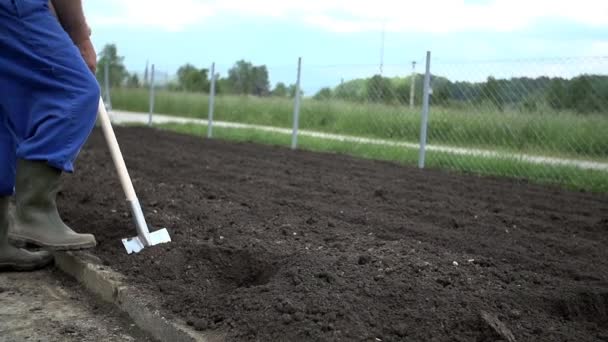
(275, 245)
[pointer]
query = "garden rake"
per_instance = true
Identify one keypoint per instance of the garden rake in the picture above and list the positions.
(144, 237)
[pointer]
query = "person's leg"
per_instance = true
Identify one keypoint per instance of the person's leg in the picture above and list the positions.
(11, 258)
(8, 156)
(51, 99)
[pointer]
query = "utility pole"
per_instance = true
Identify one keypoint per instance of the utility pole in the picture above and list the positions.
(146, 73)
(413, 85)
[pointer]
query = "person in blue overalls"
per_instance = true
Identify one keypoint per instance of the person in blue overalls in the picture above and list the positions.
(48, 105)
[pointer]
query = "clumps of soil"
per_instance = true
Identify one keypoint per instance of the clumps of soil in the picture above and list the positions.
(275, 245)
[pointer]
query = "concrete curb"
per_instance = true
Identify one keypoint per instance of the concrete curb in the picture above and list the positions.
(110, 287)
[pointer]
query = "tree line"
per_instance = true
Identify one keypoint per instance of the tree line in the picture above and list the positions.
(243, 78)
(583, 94)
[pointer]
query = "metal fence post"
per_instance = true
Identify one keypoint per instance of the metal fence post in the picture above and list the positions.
(425, 111)
(296, 109)
(211, 103)
(106, 84)
(151, 97)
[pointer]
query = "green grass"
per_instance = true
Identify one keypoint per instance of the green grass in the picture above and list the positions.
(557, 134)
(570, 177)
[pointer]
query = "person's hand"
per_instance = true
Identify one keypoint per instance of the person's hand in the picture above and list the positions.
(87, 50)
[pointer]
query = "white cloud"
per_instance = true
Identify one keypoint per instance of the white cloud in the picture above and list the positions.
(360, 15)
(175, 15)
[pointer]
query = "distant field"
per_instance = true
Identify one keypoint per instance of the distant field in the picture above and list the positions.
(561, 134)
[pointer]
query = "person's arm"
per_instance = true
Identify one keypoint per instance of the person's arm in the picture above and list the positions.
(71, 16)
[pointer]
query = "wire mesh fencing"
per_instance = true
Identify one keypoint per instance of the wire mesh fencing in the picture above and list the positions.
(540, 120)
(356, 109)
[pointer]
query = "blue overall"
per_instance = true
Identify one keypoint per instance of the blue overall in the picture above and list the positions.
(48, 96)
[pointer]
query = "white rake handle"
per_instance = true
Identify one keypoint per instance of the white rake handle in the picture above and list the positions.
(123, 174)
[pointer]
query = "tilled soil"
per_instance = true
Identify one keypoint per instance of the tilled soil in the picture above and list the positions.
(275, 245)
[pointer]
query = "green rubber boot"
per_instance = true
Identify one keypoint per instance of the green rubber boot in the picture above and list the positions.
(36, 220)
(16, 259)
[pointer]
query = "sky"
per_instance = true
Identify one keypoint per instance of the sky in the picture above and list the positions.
(342, 39)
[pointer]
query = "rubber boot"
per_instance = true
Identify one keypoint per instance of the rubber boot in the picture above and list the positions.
(16, 259)
(36, 220)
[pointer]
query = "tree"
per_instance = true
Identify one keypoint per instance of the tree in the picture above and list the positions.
(245, 78)
(441, 90)
(491, 91)
(192, 79)
(557, 94)
(239, 77)
(223, 86)
(280, 90)
(581, 96)
(261, 84)
(323, 94)
(584, 93)
(380, 89)
(354, 90)
(117, 71)
(133, 81)
(292, 91)
(402, 91)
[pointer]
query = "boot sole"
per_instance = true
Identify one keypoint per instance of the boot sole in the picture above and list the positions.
(19, 241)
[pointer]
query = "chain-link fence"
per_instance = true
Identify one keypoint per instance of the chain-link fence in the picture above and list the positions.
(541, 120)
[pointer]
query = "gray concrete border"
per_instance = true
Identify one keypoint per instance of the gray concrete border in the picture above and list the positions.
(109, 286)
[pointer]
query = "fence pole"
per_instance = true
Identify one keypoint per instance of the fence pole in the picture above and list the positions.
(425, 111)
(211, 103)
(106, 84)
(296, 109)
(413, 86)
(151, 97)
